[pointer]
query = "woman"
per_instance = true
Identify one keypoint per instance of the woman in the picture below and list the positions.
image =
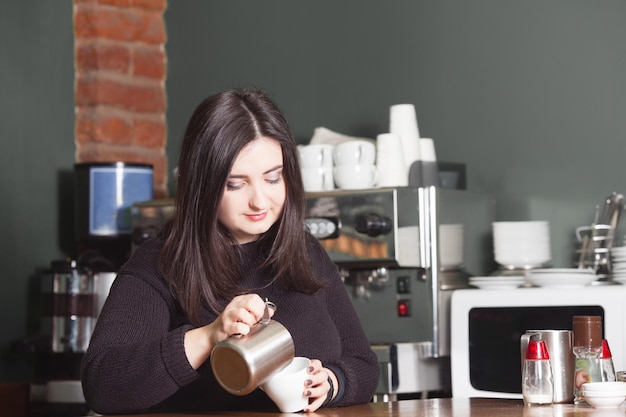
(237, 237)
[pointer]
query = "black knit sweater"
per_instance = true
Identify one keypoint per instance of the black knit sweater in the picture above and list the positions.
(136, 360)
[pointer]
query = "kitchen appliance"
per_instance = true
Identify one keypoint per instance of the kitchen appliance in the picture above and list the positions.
(72, 296)
(103, 195)
(386, 244)
(486, 326)
(74, 290)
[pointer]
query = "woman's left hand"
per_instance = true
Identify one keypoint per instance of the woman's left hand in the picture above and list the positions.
(317, 386)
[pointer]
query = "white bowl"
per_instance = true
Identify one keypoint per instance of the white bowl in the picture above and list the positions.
(605, 402)
(601, 394)
(573, 281)
(604, 386)
(523, 262)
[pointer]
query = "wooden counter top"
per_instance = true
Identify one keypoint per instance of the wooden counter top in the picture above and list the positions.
(436, 407)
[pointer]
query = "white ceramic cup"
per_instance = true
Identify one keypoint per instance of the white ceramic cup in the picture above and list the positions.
(316, 155)
(355, 177)
(286, 388)
(318, 179)
(355, 152)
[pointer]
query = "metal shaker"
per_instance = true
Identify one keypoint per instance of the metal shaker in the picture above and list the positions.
(243, 363)
(559, 344)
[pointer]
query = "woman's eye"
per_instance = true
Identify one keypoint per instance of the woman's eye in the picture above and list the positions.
(275, 179)
(234, 185)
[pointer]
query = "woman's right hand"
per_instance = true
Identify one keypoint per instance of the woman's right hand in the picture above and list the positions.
(237, 318)
(243, 312)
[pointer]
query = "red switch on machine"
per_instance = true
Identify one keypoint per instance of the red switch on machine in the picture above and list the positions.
(404, 308)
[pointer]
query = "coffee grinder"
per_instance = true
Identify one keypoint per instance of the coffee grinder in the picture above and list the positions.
(73, 291)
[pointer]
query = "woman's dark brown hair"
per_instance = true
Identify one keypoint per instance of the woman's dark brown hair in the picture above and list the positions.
(199, 256)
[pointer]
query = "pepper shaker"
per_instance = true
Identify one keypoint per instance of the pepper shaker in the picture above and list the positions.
(606, 363)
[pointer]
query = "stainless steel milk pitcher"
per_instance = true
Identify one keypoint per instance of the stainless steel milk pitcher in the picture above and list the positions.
(243, 363)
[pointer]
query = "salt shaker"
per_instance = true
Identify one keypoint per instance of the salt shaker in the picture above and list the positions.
(537, 388)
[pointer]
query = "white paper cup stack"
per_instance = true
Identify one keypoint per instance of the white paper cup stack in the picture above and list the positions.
(390, 161)
(403, 122)
(425, 172)
(427, 150)
(521, 244)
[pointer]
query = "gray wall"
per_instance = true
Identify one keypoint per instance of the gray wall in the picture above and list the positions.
(531, 95)
(36, 154)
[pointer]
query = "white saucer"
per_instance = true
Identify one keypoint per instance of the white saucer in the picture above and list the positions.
(497, 282)
(570, 271)
(561, 277)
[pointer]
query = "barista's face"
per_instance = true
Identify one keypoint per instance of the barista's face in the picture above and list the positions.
(255, 192)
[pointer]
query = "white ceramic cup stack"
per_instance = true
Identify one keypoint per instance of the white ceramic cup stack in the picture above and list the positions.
(316, 166)
(403, 122)
(618, 258)
(354, 164)
(521, 244)
(392, 172)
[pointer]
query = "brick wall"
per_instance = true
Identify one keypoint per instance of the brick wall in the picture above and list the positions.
(120, 70)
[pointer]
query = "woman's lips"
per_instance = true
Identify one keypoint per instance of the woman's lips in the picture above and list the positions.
(257, 217)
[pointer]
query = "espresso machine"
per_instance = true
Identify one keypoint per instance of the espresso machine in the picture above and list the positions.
(386, 243)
